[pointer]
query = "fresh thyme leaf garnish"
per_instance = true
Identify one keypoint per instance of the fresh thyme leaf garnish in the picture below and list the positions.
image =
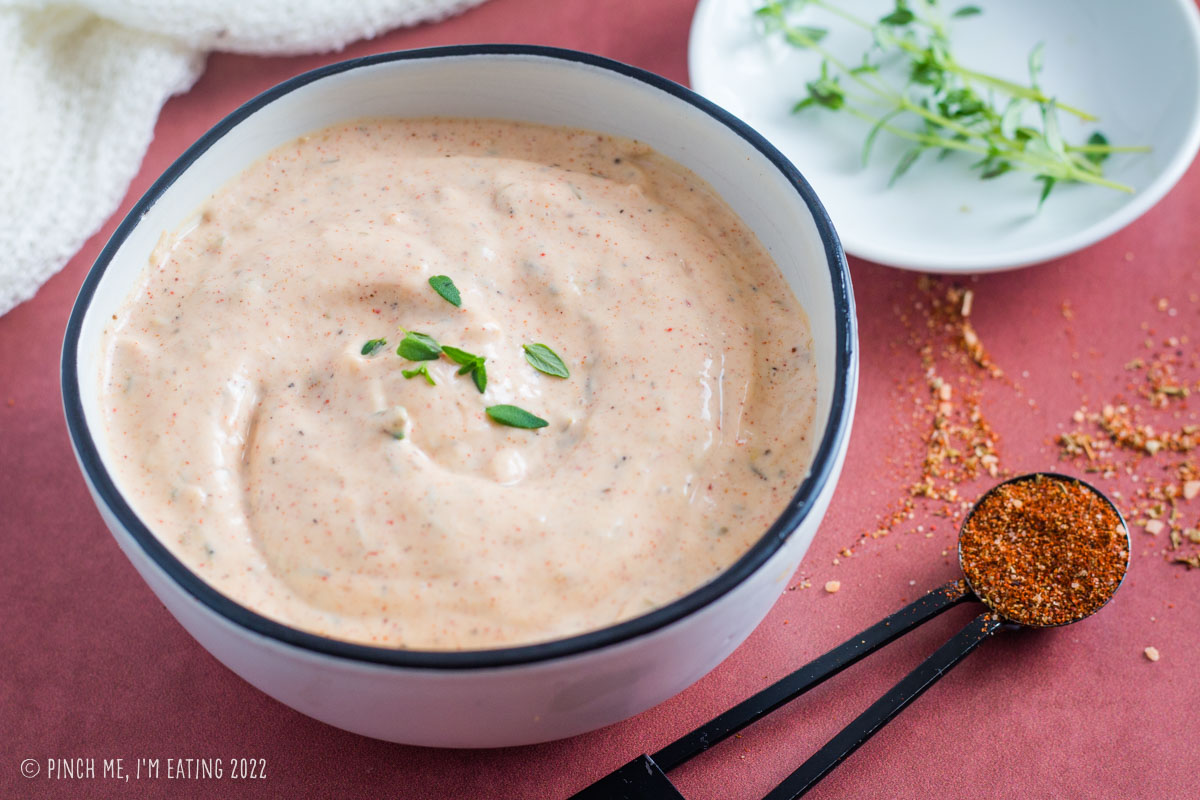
(373, 346)
(418, 347)
(421, 370)
(543, 359)
(515, 417)
(446, 288)
(954, 108)
(471, 363)
(460, 356)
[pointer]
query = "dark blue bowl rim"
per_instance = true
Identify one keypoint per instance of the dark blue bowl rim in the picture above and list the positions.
(825, 457)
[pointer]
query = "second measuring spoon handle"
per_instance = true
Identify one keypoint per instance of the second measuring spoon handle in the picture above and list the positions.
(882, 710)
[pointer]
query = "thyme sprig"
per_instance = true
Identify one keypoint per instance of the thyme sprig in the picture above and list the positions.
(955, 107)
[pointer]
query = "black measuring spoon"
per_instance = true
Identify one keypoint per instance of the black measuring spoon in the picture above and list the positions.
(644, 778)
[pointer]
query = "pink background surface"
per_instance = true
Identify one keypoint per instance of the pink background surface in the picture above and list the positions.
(91, 665)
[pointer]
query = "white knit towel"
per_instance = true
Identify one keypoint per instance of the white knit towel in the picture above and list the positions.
(81, 85)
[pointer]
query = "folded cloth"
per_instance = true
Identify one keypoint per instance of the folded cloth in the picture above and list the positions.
(82, 85)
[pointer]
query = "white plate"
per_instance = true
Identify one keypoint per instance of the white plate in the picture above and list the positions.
(1136, 65)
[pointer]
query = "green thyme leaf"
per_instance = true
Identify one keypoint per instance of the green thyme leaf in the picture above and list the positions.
(995, 169)
(543, 359)
(515, 417)
(373, 346)
(1010, 120)
(870, 140)
(1054, 138)
(897, 18)
(446, 288)
(1047, 184)
(1097, 139)
(471, 363)
(901, 16)
(906, 162)
(397, 435)
(866, 67)
(769, 10)
(418, 347)
(824, 91)
(421, 370)
(1036, 59)
(459, 356)
(967, 11)
(804, 36)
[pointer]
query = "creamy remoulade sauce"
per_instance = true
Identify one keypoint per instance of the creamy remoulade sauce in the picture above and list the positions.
(257, 442)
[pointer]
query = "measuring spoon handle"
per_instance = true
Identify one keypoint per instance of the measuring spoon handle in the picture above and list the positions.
(839, 748)
(811, 674)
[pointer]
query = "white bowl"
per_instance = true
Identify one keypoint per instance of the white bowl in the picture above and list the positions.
(516, 695)
(1135, 65)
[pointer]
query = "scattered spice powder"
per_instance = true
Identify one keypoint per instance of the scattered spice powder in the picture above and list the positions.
(959, 445)
(1141, 447)
(1044, 550)
(1147, 437)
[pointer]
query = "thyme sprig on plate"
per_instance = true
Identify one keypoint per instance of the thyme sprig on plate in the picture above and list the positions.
(957, 109)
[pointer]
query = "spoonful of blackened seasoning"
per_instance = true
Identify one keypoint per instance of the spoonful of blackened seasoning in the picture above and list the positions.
(1044, 550)
(1038, 550)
